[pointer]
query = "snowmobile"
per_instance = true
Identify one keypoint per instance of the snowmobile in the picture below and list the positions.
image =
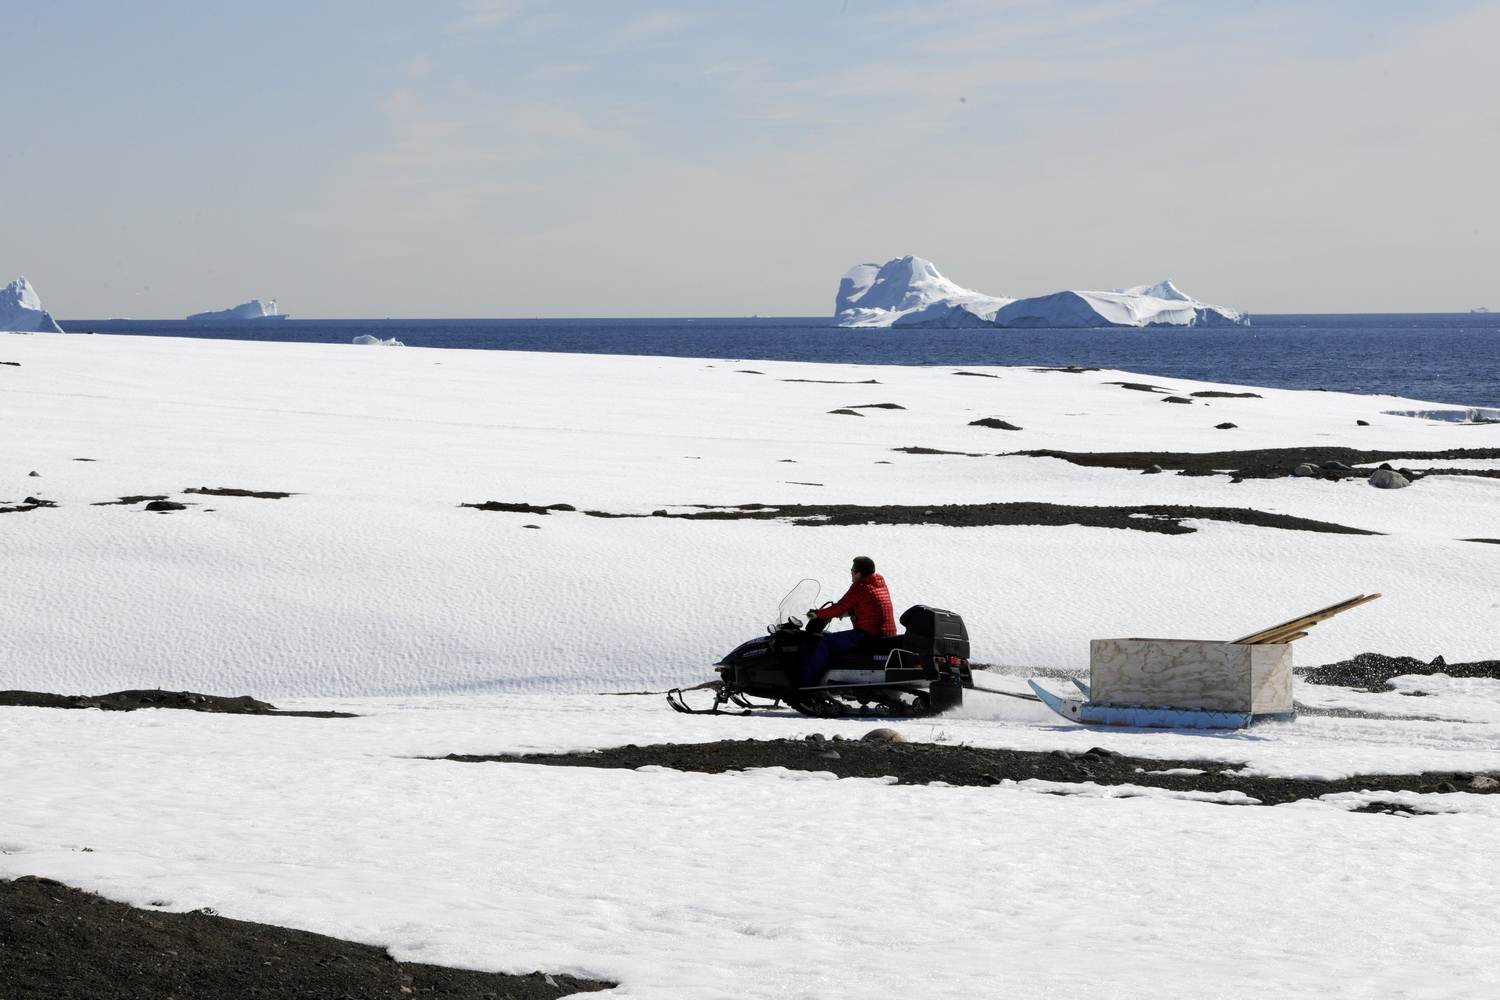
(923, 671)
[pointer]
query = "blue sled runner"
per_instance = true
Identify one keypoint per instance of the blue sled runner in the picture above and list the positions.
(1090, 713)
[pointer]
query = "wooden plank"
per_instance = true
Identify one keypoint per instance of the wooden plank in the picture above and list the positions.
(1304, 622)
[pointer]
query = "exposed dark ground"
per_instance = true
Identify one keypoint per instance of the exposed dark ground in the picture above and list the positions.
(61, 943)
(922, 763)
(1163, 518)
(1373, 671)
(129, 701)
(1274, 463)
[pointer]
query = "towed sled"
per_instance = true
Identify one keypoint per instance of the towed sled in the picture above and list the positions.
(922, 671)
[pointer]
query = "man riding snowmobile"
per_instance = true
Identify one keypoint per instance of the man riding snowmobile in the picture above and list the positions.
(867, 602)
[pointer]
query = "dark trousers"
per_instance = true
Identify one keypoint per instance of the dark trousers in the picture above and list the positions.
(832, 642)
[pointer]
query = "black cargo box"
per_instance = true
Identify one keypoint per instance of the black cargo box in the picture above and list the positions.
(946, 629)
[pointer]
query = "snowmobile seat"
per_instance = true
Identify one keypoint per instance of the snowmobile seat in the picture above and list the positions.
(882, 643)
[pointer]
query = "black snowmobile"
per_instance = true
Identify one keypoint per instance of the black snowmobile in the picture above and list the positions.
(920, 672)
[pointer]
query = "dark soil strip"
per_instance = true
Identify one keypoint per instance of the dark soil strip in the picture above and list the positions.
(225, 491)
(1265, 463)
(824, 381)
(922, 763)
(1161, 518)
(977, 374)
(129, 701)
(61, 943)
(1373, 671)
(518, 508)
(129, 500)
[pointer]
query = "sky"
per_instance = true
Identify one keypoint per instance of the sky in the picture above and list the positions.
(515, 158)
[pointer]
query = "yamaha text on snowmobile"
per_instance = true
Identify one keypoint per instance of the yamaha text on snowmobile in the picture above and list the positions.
(923, 671)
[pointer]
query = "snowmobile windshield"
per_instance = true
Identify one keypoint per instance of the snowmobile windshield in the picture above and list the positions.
(795, 604)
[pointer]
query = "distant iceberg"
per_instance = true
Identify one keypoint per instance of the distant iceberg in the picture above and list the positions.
(21, 311)
(254, 309)
(909, 292)
(366, 339)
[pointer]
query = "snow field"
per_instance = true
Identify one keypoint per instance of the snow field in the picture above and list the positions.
(755, 884)
(460, 631)
(371, 580)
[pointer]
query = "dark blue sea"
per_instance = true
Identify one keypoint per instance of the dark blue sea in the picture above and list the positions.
(1442, 357)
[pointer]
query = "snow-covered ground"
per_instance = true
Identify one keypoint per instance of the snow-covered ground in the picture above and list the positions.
(458, 630)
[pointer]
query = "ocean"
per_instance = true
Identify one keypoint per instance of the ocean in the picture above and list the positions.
(1440, 357)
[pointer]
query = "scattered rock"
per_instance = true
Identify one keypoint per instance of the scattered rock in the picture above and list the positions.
(1388, 479)
(845, 411)
(659, 513)
(1483, 781)
(34, 473)
(1305, 469)
(1176, 399)
(538, 527)
(884, 736)
(165, 505)
(1138, 386)
(831, 755)
(1226, 426)
(129, 701)
(127, 501)
(1336, 467)
(1102, 752)
(511, 508)
(1219, 394)
(839, 737)
(561, 506)
(978, 374)
(814, 737)
(1362, 423)
(226, 491)
(995, 422)
(1447, 786)
(878, 406)
(1151, 470)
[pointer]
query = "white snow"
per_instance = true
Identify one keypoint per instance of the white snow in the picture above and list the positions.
(454, 630)
(909, 292)
(21, 310)
(254, 309)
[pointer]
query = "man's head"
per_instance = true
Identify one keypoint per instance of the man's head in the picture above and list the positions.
(863, 567)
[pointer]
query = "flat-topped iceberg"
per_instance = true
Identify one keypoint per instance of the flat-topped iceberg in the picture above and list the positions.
(21, 311)
(909, 292)
(254, 309)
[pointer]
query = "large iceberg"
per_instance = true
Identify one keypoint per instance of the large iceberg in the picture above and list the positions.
(254, 309)
(21, 311)
(909, 292)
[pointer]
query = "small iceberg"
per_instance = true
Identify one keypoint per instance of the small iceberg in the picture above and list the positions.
(254, 309)
(909, 292)
(365, 338)
(21, 311)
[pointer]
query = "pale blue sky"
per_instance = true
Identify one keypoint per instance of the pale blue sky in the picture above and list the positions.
(517, 158)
